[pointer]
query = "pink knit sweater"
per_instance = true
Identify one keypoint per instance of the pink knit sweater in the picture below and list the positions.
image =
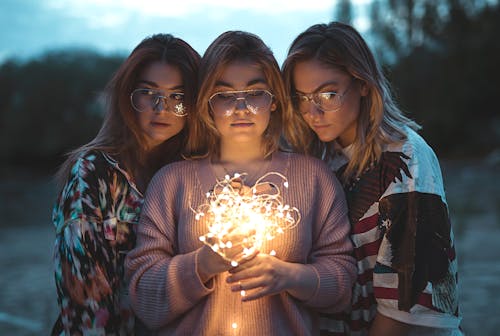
(166, 291)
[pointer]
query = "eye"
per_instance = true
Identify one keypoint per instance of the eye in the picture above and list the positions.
(177, 96)
(256, 93)
(147, 92)
(300, 98)
(225, 95)
(325, 96)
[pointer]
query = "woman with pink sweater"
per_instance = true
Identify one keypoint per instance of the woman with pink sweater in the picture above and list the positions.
(181, 286)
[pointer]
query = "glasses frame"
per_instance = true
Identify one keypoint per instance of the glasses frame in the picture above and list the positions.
(239, 98)
(179, 110)
(313, 98)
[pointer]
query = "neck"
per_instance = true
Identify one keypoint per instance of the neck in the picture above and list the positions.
(238, 153)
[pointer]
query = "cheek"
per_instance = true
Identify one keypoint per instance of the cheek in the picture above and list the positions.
(218, 122)
(143, 120)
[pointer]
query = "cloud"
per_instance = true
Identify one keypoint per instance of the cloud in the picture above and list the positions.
(161, 8)
(30, 27)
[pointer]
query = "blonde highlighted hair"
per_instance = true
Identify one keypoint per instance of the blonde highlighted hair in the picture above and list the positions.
(380, 121)
(232, 46)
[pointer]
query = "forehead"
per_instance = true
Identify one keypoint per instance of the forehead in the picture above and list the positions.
(241, 73)
(310, 74)
(162, 74)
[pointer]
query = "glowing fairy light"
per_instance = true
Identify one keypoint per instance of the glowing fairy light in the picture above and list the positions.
(241, 218)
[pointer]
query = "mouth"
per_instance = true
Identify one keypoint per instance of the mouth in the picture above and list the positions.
(242, 124)
(320, 126)
(159, 124)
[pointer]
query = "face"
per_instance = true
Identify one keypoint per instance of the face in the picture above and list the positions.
(160, 124)
(313, 76)
(246, 124)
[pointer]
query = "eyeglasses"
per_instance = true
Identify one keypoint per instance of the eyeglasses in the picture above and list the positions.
(225, 102)
(149, 100)
(324, 101)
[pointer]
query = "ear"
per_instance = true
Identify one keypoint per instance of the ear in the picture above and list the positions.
(273, 107)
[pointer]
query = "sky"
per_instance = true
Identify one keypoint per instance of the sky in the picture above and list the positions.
(32, 27)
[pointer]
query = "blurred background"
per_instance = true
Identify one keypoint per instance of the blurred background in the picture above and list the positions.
(56, 56)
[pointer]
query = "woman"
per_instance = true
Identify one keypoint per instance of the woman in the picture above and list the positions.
(180, 286)
(407, 276)
(97, 212)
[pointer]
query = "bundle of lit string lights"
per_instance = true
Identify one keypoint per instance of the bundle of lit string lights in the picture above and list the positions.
(249, 214)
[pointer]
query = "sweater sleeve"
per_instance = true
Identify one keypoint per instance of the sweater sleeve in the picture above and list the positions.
(163, 284)
(84, 259)
(331, 256)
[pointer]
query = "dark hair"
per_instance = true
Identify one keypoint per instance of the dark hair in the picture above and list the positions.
(120, 134)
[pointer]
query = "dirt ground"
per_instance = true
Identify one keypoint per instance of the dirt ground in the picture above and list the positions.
(27, 292)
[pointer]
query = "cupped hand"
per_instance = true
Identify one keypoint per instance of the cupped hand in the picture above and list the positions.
(261, 276)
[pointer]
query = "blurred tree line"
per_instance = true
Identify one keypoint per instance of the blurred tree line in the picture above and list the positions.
(51, 104)
(441, 56)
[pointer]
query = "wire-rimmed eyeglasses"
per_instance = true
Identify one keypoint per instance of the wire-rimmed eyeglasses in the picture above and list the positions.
(225, 102)
(149, 100)
(330, 101)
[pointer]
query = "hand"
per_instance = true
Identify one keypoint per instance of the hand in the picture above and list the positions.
(261, 276)
(210, 263)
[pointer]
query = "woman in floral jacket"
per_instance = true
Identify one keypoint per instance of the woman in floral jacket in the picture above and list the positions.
(102, 184)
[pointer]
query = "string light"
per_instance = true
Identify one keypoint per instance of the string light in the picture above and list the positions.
(241, 218)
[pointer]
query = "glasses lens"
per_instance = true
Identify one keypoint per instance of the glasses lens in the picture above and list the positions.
(328, 101)
(301, 102)
(224, 103)
(175, 103)
(146, 100)
(258, 100)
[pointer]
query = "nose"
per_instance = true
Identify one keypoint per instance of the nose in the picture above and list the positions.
(161, 106)
(241, 105)
(314, 111)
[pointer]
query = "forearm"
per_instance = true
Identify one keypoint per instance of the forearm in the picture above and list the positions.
(163, 288)
(303, 281)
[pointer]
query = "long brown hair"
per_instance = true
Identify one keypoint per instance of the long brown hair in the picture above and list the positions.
(204, 139)
(380, 121)
(120, 135)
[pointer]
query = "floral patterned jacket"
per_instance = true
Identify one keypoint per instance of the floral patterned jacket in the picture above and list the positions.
(95, 219)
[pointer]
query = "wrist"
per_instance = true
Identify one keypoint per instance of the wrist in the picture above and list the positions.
(201, 265)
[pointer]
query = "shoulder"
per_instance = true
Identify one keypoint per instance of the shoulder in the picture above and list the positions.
(91, 161)
(176, 169)
(173, 174)
(305, 162)
(414, 147)
(421, 164)
(308, 167)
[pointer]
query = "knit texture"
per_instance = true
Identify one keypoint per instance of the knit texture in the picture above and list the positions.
(166, 291)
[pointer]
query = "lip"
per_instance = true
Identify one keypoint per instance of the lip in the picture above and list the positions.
(242, 124)
(320, 126)
(159, 124)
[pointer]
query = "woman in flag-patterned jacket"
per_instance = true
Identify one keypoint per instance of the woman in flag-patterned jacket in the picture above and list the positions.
(407, 269)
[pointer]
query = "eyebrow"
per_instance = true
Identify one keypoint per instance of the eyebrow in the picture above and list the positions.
(322, 86)
(249, 83)
(153, 84)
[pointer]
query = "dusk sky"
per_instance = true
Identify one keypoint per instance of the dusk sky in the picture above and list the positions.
(31, 27)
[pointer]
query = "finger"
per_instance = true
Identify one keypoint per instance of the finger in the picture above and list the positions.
(255, 294)
(249, 284)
